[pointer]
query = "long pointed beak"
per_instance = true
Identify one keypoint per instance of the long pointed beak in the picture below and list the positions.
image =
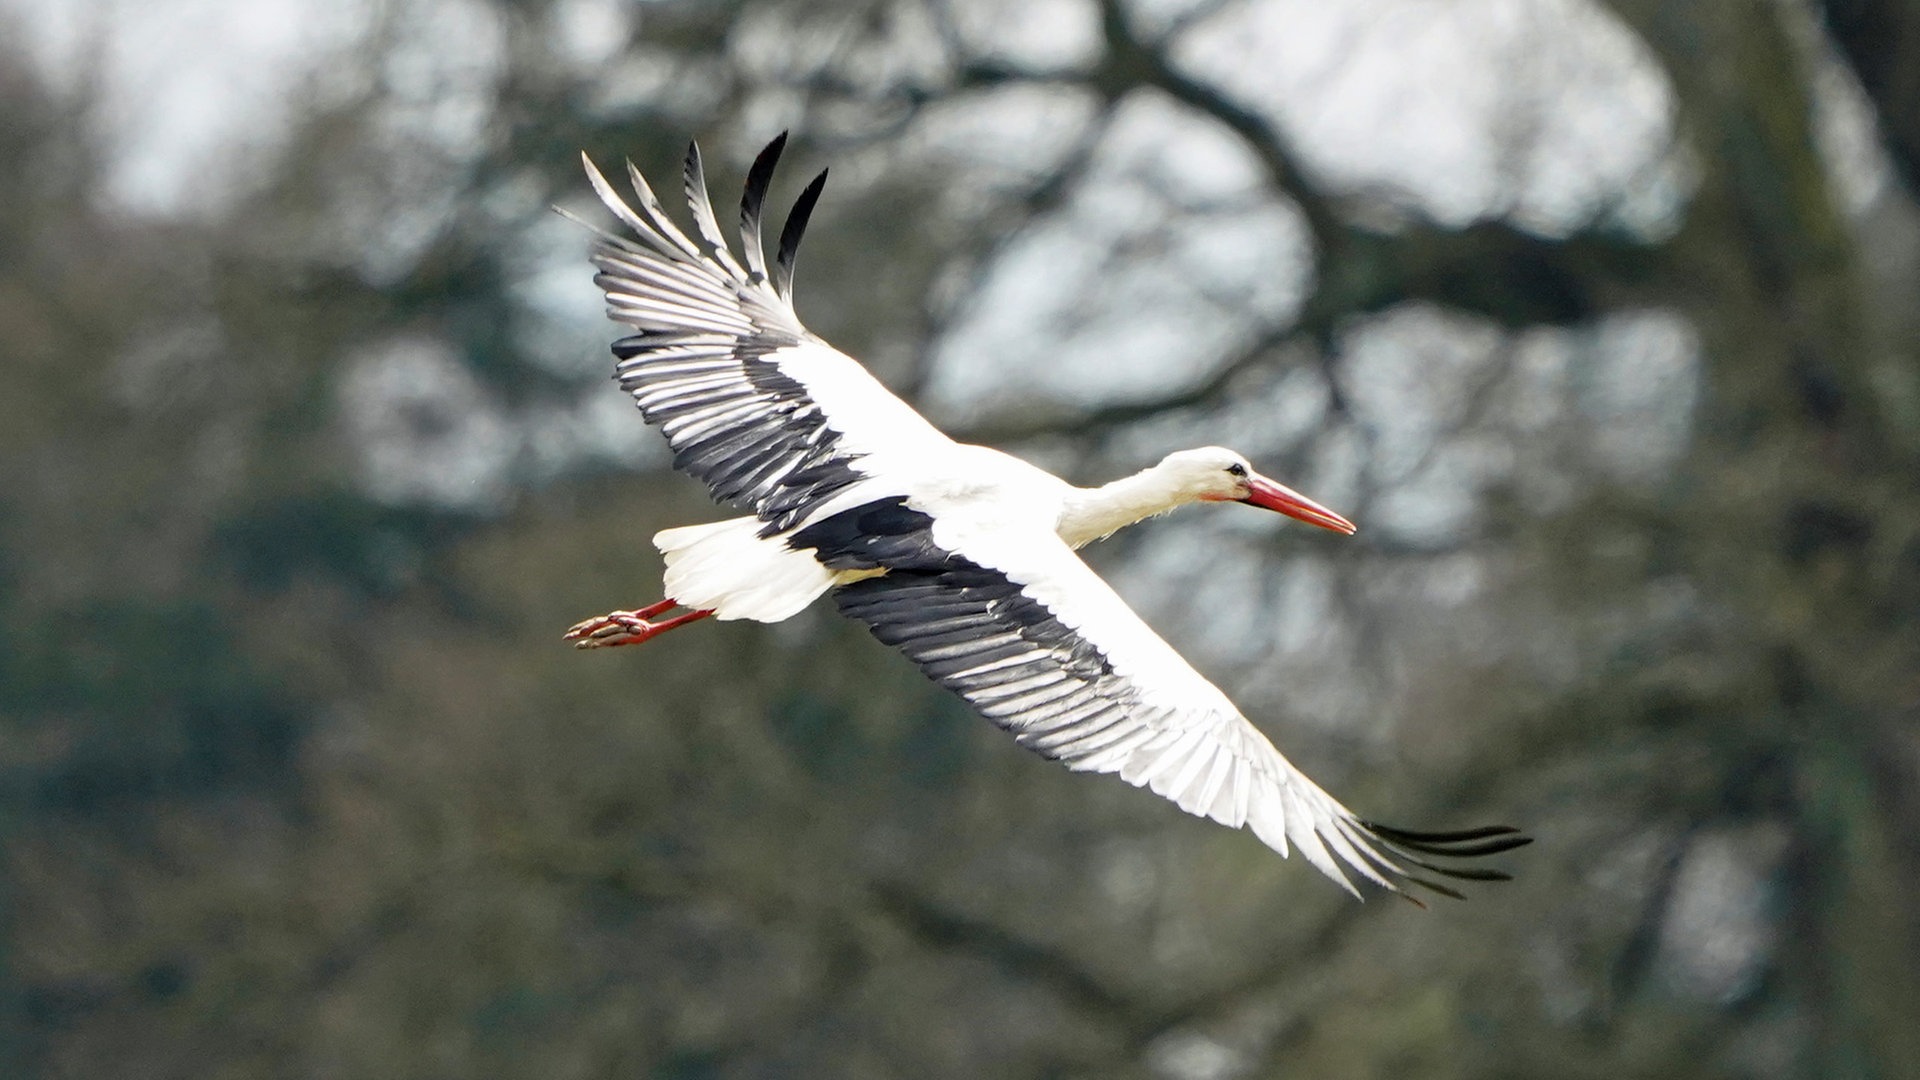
(1266, 494)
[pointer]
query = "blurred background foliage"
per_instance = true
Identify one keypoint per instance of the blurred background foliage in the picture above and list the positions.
(1599, 315)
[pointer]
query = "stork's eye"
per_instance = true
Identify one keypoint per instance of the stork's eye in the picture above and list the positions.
(1237, 469)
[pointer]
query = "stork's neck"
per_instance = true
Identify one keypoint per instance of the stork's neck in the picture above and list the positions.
(1091, 514)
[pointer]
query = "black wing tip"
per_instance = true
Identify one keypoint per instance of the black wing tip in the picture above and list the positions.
(1409, 844)
(802, 210)
(1393, 832)
(791, 233)
(753, 198)
(760, 176)
(772, 150)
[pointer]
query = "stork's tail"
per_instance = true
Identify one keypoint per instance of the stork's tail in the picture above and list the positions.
(729, 568)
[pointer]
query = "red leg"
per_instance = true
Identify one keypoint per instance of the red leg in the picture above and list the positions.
(660, 608)
(628, 627)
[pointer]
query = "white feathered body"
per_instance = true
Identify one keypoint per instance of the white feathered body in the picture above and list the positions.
(736, 571)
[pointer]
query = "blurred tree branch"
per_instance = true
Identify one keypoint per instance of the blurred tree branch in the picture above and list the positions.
(1493, 269)
(1881, 41)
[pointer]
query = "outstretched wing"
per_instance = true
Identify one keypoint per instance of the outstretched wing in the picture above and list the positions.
(771, 418)
(1013, 621)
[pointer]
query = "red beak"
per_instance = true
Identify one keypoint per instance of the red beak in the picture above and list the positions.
(1264, 493)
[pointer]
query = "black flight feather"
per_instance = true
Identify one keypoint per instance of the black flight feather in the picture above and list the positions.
(790, 235)
(759, 178)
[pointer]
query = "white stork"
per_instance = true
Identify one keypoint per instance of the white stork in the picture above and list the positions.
(960, 556)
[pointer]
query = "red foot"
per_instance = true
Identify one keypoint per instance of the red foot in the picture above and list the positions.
(627, 627)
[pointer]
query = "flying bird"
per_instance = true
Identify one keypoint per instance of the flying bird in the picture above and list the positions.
(960, 556)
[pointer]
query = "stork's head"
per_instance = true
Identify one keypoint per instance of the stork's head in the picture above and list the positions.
(1216, 474)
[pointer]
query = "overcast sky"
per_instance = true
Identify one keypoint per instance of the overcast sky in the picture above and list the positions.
(1538, 108)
